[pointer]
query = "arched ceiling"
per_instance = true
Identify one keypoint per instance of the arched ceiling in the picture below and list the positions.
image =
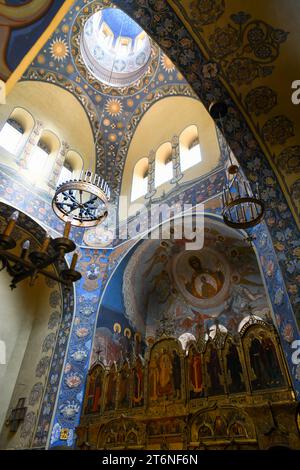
(253, 49)
(58, 110)
(161, 278)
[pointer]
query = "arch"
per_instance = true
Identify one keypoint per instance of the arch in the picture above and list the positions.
(190, 151)
(263, 355)
(163, 164)
(25, 118)
(30, 320)
(72, 167)
(140, 179)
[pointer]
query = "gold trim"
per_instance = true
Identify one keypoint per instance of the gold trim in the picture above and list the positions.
(32, 53)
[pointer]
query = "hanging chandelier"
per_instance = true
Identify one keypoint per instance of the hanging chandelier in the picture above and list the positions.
(242, 206)
(83, 201)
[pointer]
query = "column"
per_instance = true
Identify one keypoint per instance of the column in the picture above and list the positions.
(151, 175)
(30, 144)
(177, 175)
(58, 164)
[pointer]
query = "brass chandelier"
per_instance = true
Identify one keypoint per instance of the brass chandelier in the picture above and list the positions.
(242, 206)
(83, 201)
(31, 264)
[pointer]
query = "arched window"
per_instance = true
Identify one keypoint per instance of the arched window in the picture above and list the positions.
(43, 155)
(106, 35)
(190, 151)
(140, 179)
(11, 136)
(163, 164)
(72, 167)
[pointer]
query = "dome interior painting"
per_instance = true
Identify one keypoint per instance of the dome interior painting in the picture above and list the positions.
(190, 290)
(135, 315)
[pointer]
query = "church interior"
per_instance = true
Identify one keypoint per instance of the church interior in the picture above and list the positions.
(149, 225)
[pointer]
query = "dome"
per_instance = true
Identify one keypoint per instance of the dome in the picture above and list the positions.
(114, 48)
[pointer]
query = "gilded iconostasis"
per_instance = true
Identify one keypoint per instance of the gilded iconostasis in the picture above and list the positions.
(123, 89)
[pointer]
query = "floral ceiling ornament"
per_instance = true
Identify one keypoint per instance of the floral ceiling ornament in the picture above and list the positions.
(261, 100)
(289, 159)
(167, 64)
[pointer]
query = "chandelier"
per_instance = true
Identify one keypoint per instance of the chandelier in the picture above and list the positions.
(30, 264)
(83, 201)
(242, 206)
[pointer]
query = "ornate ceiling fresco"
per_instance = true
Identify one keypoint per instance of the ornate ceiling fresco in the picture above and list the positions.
(21, 24)
(252, 48)
(189, 289)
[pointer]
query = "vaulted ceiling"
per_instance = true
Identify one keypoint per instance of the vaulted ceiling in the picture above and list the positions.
(251, 49)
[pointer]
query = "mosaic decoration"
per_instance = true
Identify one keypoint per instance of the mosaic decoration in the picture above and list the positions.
(38, 401)
(116, 109)
(174, 397)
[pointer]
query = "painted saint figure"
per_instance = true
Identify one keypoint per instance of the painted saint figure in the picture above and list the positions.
(111, 390)
(153, 377)
(204, 283)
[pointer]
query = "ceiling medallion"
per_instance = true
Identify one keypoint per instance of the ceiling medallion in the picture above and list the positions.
(242, 206)
(82, 201)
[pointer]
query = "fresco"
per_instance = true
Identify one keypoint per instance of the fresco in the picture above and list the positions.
(21, 24)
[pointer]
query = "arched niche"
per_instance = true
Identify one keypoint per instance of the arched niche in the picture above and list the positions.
(42, 158)
(156, 128)
(10, 153)
(59, 111)
(190, 150)
(30, 318)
